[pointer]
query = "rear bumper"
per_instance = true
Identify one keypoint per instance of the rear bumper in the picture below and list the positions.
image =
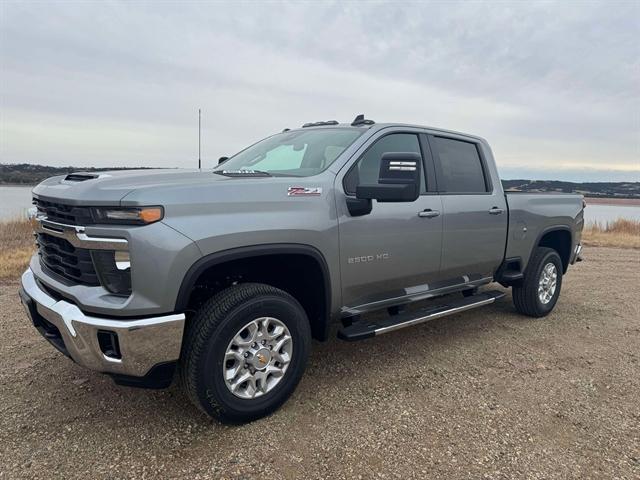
(128, 349)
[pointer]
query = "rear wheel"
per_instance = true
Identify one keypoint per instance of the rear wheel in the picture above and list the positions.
(540, 288)
(245, 352)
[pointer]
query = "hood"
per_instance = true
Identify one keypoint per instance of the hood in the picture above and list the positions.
(110, 187)
(201, 189)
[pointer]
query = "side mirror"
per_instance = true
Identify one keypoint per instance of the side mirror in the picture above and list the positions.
(222, 160)
(398, 181)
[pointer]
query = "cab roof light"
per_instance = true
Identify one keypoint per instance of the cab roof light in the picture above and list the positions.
(319, 124)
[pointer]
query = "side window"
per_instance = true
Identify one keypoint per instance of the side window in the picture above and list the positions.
(460, 167)
(367, 169)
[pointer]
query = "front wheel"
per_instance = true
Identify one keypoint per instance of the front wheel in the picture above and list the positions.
(540, 288)
(245, 352)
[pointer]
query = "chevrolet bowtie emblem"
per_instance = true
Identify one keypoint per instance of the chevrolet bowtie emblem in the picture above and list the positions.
(262, 359)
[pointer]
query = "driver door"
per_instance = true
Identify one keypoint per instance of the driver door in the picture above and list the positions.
(392, 253)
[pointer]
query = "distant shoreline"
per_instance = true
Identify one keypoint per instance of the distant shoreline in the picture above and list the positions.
(629, 202)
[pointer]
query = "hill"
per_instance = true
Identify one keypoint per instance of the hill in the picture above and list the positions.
(588, 189)
(28, 174)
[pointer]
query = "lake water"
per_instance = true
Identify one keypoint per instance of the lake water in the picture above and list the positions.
(14, 202)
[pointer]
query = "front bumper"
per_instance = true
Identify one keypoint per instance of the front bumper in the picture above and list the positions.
(143, 343)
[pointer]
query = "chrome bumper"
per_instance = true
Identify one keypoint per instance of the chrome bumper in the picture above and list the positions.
(143, 343)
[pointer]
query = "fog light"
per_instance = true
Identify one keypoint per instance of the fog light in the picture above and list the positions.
(114, 270)
(122, 259)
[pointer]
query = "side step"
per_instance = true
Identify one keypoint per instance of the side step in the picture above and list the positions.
(362, 329)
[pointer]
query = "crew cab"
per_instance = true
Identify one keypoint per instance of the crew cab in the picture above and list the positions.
(223, 276)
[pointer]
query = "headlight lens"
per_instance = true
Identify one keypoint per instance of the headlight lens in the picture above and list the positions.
(128, 215)
(114, 270)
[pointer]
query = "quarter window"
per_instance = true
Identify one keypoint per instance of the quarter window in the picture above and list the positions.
(460, 167)
(367, 170)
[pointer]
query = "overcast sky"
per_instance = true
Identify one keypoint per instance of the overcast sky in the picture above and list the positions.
(554, 87)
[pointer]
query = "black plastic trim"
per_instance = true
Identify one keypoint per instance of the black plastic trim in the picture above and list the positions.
(359, 206)
(543, 232)
(213, 259)
(506, 276)
(48, 330)
(429, 165)
(160, 376)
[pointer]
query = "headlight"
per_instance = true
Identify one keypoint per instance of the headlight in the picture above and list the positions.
(114, 270)
(128, 215)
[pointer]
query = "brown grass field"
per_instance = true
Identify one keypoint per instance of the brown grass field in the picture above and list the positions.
(17, 242)
(16, 239)
(620, 233)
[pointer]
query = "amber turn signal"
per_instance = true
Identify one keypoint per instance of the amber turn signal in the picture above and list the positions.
(128, 215)
(150, 214)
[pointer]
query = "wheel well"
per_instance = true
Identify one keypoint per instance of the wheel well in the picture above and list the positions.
(560, 241)
(301, 275)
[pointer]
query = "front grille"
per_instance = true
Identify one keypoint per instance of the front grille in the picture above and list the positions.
(57, 255)
(61, 213)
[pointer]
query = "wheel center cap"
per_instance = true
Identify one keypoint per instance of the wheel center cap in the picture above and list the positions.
(262, 358)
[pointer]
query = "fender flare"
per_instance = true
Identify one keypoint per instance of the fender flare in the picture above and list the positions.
(549, 229)
(217, 258)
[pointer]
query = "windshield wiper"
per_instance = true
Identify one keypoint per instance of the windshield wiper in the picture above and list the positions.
(242, 173)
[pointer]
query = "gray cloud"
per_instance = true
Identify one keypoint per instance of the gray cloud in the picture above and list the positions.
(551, 85)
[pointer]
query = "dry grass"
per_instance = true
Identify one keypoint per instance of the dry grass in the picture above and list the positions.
(620, 233)
(17, 246)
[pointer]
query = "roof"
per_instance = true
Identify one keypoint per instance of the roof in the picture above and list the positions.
(381, 126)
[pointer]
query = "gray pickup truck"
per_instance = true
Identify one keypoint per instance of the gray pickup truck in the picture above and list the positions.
(224, 276)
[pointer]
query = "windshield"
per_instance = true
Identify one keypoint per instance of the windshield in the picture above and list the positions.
(301, 153)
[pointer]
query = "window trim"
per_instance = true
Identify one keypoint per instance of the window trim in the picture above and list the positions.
(428, 164)
(430, 185)
(489, 190)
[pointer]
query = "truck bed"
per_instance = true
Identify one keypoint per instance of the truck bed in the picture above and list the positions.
(533, 214)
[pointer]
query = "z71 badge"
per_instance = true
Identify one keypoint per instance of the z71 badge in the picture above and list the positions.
(304, 191)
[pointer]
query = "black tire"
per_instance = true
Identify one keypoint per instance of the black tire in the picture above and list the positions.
(208, 336)
(525, 295)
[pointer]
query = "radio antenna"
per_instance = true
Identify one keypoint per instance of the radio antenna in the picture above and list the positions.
(199, 138)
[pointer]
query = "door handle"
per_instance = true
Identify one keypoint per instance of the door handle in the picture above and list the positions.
(428, 213)
(496, 211)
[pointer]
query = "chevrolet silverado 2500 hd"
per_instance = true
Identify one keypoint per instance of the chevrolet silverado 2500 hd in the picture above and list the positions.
(226, 275)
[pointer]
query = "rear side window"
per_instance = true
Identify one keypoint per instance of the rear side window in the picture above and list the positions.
(367, 169)
(460, 167)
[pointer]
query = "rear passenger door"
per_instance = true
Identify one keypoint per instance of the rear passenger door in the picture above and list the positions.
(475, 210)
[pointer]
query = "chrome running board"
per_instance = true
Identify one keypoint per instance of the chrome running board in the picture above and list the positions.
(361, 329)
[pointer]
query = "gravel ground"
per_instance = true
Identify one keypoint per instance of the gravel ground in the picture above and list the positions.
(484, 394)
